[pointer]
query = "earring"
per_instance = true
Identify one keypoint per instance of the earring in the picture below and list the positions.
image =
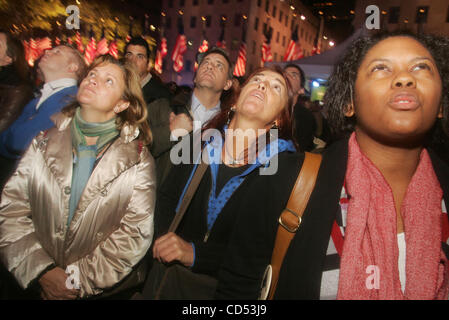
(229, 115)
(352, 99)
(275, 125)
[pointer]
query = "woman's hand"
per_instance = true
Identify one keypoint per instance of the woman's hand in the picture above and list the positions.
(171, 247)
(53, 284)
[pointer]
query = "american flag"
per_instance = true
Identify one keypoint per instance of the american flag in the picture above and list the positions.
(202, 48)
(30, 51)
(179, 49)
(34, 53)
(266, 47)
(316, 47)
(164, 50)
(294, 51)
(178, 53)
(160, 54)
(113, 50)
(91, 48)
(69, 41)
(240, 66)
(102, 46)
(130, 31)
(266, 52)
(79, 42)
(43, 44)
(57, 41)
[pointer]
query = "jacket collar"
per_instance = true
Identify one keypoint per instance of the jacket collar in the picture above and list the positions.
(119, 157)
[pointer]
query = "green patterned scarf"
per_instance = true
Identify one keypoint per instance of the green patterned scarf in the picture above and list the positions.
(86, 155)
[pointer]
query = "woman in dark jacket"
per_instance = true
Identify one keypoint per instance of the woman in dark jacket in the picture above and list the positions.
(15, 82)
(376, 225)
(235, 183)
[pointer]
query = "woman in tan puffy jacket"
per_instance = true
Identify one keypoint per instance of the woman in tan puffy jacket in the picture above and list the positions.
(76, 218)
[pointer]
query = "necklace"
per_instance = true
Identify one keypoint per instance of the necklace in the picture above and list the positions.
(234, 161)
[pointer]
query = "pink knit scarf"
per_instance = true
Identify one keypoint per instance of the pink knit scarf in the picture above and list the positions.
(369, 262)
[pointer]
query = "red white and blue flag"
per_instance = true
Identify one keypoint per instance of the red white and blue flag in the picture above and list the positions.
(113, 50)
(240, 65)
(79, 42)
(102, 46)
(160, 54)
(179, 49)
(91, 49)
(294, 51)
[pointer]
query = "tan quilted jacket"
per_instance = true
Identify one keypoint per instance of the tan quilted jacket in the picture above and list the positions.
(112, 228)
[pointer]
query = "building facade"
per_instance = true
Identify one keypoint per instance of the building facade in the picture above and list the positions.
(205, 18)
(428, 16)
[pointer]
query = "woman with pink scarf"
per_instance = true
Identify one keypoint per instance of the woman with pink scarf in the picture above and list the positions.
(376, 225)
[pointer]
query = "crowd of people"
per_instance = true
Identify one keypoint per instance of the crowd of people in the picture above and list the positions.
(92, 182)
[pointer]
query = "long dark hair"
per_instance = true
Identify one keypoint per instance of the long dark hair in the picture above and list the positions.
(15, 50)
(285, 117)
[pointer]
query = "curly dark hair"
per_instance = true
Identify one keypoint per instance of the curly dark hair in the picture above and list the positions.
(340, 93)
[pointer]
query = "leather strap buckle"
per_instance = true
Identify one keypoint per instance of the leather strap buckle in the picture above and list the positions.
(292, 228)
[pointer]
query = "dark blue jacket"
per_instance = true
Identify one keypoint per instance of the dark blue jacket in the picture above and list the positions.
(16, 139)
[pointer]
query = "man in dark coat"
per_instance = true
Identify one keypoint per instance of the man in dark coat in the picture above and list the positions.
(303, 120)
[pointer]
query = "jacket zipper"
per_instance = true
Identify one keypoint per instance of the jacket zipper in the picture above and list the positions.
(206, 236)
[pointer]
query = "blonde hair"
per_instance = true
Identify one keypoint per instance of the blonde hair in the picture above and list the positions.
(136, 113)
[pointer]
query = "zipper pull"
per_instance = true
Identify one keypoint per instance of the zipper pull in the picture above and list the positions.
(206, 236)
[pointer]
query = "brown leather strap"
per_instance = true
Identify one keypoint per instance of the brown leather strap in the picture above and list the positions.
(190, 192)
(290, 218)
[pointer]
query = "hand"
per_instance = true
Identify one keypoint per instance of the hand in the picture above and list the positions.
(180, 121)
(171, 247)
(53, 284)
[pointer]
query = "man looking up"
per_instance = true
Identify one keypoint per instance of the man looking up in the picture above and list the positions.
(213, 77)
(61, 68)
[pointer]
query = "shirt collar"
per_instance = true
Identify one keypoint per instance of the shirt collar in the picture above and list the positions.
(196, 104)
(59, 83)
(145, 80)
